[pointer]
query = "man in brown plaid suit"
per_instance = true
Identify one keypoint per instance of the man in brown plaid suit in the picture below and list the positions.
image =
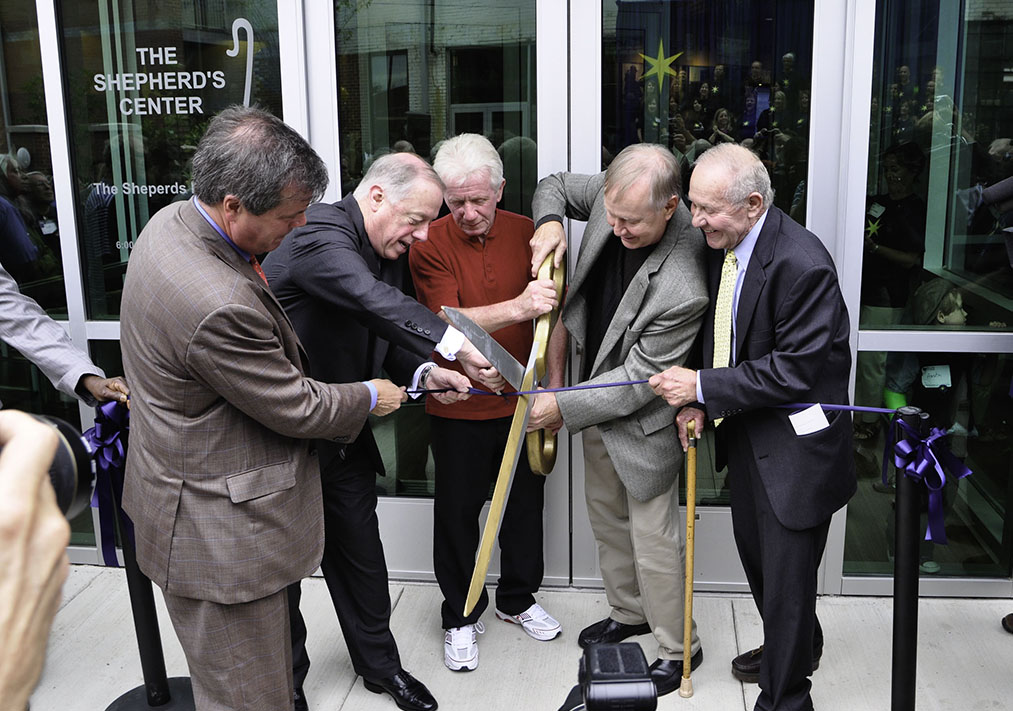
(222, 483)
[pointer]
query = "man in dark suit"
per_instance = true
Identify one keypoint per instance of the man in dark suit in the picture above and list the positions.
(222, 481)
(338, 278)
(788, 343)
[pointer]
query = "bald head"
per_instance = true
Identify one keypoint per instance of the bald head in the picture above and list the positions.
(729, 191)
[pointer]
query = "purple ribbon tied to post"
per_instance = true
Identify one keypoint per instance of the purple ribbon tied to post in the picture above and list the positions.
(108, 443)
(926, 460)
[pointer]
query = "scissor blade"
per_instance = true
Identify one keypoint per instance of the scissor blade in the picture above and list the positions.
(507, 467)
(506, 364)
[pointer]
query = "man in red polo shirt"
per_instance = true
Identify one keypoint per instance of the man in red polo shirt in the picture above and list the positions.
(477, 259)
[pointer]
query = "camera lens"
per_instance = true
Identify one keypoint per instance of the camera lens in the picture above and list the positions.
(71, 472)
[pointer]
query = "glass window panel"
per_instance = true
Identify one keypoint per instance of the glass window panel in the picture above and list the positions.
(968, 395)
(939, 137)
(142, 81)
(29, 231)
(412, 73)
(436, 69)
(690, 75)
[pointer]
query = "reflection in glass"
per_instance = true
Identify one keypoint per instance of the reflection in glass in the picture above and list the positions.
(142, 82)
(414, 72)
(692, 75)
(29, 235)
(968, 396)
(939, 139)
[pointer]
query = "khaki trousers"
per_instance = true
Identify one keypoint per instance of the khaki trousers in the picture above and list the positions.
(640, 550)
(240, 656)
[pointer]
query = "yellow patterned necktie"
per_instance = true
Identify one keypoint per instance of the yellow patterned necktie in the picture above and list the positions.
(723, 315)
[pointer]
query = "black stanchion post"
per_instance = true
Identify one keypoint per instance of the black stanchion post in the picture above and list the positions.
(158, 691)
(905, 575)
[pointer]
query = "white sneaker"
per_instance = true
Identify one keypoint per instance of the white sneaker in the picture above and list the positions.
(460, 647)
(538, 623)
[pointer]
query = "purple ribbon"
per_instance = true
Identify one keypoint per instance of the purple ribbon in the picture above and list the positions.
(927, 460)
(586, 386)
(108, 443)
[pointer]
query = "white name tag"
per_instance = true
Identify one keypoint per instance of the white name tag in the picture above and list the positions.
(809, 420)
(936, 376)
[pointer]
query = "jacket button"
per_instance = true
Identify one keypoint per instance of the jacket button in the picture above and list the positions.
(428, 332)
(408, 324)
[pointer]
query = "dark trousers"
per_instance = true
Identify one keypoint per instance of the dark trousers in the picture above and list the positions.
(781, 567)
(467, 455)
(355, 570)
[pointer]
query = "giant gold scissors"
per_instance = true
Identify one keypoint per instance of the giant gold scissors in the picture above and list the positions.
(541, 444)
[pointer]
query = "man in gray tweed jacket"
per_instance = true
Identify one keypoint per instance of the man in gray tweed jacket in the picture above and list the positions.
(635, 303)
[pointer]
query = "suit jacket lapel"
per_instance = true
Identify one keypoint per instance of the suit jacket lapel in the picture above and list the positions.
(575, 309)
(755, 277)
(221, 249)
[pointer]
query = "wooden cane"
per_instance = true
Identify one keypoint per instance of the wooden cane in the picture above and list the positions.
(686, 688)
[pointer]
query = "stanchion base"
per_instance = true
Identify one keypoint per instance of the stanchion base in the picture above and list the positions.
(180, 692)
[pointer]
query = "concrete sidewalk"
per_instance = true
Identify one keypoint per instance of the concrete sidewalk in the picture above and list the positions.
(965, 659)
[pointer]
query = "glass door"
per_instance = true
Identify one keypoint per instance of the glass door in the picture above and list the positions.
(688, 76)
(936, 296)
(408, 74)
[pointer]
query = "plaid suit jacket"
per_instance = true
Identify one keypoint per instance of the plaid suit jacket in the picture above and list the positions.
(222, 484)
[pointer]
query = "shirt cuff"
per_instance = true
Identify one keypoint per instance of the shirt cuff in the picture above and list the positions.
(372, 394)
(413, 392)
(549, 218)
(699, 389)
(450, 344)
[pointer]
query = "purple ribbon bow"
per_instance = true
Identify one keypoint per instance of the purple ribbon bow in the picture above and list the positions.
(926, 460)
(108, 443)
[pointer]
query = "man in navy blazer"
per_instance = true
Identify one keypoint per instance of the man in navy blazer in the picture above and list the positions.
(789, 345)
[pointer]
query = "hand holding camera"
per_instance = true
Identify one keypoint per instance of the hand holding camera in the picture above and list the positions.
(33, 559)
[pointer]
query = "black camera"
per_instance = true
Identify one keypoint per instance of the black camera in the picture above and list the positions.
(613, 677)
(72, 471)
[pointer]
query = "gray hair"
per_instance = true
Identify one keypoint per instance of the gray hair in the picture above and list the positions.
(397, 174)
(746, 173)
(254, 155)
(6, 161)
(466, 154)
(649, 160)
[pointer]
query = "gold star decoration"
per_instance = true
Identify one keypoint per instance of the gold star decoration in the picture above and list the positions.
(660, 65)
(872, 227)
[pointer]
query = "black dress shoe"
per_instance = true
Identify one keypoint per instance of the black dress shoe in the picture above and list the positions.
(300, 700)
(408, 692)
(1007, 623)
(608, 631)
(667, 673)
(746, 666)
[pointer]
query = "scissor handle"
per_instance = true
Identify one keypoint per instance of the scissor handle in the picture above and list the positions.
(541, 443)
